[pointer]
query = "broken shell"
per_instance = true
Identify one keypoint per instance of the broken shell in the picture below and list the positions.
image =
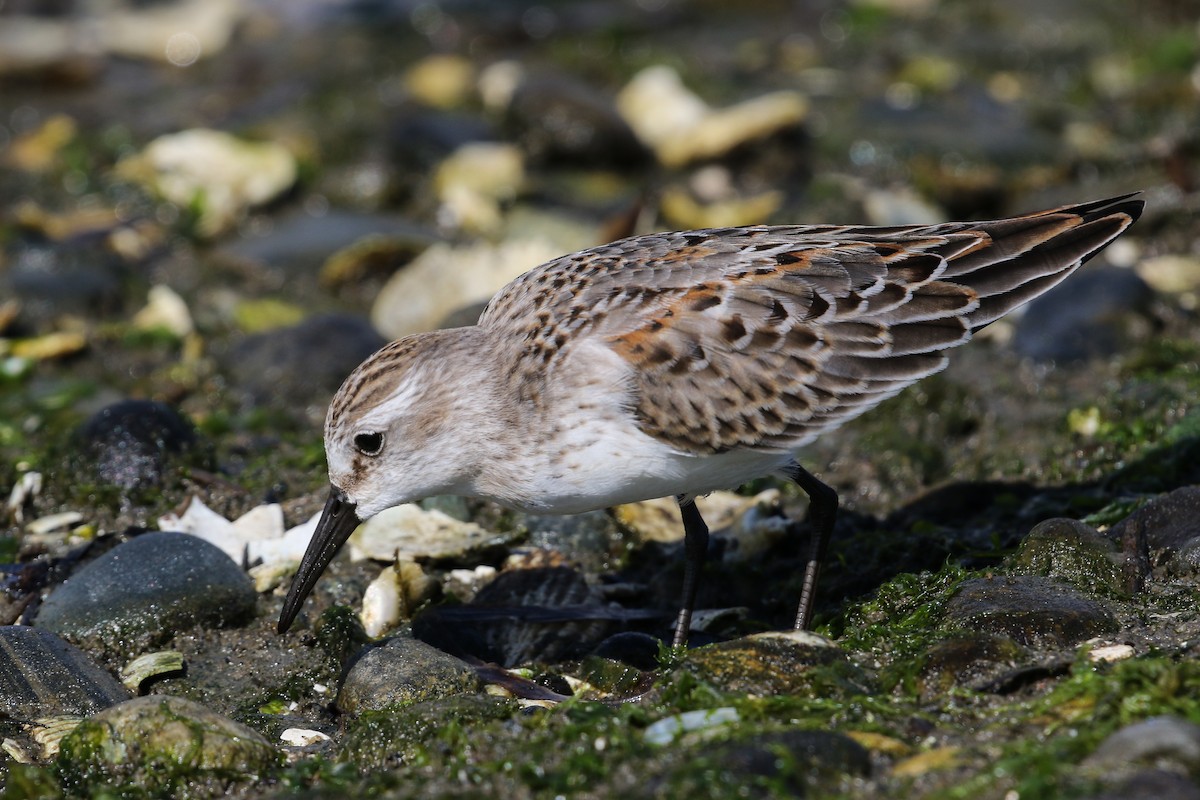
(148, 665)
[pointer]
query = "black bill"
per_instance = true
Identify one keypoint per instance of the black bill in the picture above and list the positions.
(338, 521)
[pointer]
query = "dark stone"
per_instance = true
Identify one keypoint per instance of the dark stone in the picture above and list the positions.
(402, 671)
(1166, 523)
(1153, 784)
(140, 593)
(1095, 314)
(1033, 611)
(765, 664)
(419, 137)
(42, 675)
(133, 444)
(298, 369)
(1152, 742)
(630, 647)
(76, 276)
(965, 660)
(796, 761)
(1072, 551)
(558, 118)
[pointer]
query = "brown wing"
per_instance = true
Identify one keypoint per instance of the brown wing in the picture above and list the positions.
(762, 337)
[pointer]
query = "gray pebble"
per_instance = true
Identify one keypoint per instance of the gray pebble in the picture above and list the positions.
(133, 444)
(141, 592)
(402, 671)
(1158, 741)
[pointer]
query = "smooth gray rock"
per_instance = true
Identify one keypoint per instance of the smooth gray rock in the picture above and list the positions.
(1168, 739)
(132, 444)
(142, 591)
(400, 672)
(41, 675)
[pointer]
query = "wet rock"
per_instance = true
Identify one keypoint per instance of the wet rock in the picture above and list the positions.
(140, 593)
(419, 138)
(52, 278)
(400, 672)
(793, 763)
(225, 175)
(1153, 784)
(1097, 314)
(524, 616)
(42, 675)
(638, 650)
(561, 119)
(135, 444)
(297, 369)
(966, 660)
(1168, 523)
(1074, 552)
(1166, 741)
(1033, 611)
(446, 277)
(398, 737)
(769, 663)
(165, 746)
(302, 242)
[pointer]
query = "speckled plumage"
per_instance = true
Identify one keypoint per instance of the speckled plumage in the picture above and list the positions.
(678, 363)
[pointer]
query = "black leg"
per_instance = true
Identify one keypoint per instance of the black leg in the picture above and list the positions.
(695, 548)
(822, 512)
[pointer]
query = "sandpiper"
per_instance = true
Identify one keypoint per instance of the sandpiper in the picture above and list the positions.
(677, 364)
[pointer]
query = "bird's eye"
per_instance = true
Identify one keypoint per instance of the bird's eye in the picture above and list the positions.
(369, 443)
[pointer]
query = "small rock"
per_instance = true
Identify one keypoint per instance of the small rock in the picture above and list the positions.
(402, 671)
(226, 174)
(297, 369)
(398, 738)
(41, 675)
(446, 277)
(1072, 551)
(165, 746)
(1096, 314)
(1160, 741)
(639, 650)
(50, 279)
(1169, 523)
(900, 207)
(560, 119)
(1171, 274)
(1033, 611)
(668, 729)
(179, 33)
(767, 663)
(1153, 784)
(134, 444)
(165, 310)
(966, 661)
(474, 181)
(140, 593)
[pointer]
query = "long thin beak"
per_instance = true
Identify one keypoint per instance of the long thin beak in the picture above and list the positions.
(338, 521)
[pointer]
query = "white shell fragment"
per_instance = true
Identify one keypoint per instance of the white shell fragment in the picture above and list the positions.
(49, 731)
(681, 128)
(302, 737)
(53, 522)
(166, 310)
(28, 487)
(1110, 652)
(667, 730)
(148, 665)
(381, 603)
(410, 532)
(256, 536)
